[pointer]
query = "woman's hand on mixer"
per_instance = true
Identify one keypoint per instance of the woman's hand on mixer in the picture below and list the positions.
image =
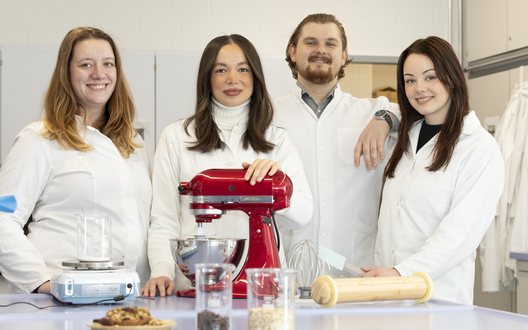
(379, 271)
(184, 269)
(163, 284)
(259, 168)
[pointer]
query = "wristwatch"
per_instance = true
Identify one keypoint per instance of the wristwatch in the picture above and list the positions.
(384, 115)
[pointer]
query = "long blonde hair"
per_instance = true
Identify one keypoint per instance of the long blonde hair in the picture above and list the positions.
(61, 106)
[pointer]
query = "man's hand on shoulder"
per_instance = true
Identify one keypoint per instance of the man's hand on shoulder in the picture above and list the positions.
(371, 142)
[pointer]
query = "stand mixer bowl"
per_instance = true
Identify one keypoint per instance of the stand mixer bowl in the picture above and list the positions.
(192, 251)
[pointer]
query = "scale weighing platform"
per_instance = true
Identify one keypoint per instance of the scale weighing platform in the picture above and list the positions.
(91, 282)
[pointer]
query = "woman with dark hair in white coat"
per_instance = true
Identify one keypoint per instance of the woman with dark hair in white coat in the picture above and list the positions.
(443, 180)
(231, 128)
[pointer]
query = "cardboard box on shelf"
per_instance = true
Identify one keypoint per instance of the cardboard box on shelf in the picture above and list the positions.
(388, 92)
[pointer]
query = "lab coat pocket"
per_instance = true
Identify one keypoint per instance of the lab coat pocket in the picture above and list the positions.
(144, 183)
(363, 238)
(346, 142)
(55, 248)
(431, 194)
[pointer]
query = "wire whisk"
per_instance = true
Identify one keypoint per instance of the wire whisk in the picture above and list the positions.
(306, 258)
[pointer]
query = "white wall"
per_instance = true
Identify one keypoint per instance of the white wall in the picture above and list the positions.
(374, 27)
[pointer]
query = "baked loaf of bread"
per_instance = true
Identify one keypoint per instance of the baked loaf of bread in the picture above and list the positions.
(129, 315)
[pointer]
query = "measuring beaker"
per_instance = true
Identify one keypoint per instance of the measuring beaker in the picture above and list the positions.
(271, 298)
(94, 236)
(214, 296)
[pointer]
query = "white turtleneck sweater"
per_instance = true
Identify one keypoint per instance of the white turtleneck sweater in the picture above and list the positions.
(174, 163)
(227, 118)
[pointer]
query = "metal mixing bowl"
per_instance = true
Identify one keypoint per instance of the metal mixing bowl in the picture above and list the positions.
(191, 251)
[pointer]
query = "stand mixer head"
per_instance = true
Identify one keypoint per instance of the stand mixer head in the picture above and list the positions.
(213, 192)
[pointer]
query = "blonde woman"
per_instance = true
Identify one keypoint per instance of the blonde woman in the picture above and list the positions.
(83, 156)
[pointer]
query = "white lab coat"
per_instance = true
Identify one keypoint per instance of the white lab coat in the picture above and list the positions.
(433, 222)
(174, 163)
(51, 184)
(346, 197)
(509, 231)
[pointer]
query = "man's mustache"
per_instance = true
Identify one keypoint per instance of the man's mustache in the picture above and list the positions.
(320, 58)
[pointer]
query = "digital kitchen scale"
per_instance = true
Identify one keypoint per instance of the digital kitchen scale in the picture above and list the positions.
(91, 282)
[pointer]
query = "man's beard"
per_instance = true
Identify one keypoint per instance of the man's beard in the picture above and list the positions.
(317, 77)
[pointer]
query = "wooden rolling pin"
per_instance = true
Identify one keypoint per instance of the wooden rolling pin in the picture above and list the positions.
(327, 291)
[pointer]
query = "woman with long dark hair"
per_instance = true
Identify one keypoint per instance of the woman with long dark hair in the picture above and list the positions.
(231, 128)
(443, 180)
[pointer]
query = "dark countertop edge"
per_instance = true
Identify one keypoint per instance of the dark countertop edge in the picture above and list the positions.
(519, 255)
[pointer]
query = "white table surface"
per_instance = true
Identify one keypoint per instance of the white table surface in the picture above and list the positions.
(393, 315)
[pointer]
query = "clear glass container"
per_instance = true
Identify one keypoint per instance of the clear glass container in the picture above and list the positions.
(214, 296)
(94, 236)
(271, 298)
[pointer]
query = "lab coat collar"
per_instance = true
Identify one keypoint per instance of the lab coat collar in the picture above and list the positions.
(83, 130)
(81, 125)
(414, 133)
(471, 123)
(338, 96)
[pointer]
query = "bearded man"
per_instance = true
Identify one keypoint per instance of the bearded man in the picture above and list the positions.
(325, 124)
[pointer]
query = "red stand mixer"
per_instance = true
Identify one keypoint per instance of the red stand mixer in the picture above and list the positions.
(215, 191)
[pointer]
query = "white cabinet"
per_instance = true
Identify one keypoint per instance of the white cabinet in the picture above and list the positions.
(486, 28)
(24, 78)
(522, 287)
(489, 95)
(138, 66)
(494, 27)
(517, 24)
(176, 74)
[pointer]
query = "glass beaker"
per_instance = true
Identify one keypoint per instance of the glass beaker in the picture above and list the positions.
(94, 236)
(214, 296)
(271, 298)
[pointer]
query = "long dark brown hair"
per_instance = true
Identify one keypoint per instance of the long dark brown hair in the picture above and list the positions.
(61, 106)
(319, 19)
(450, 73)
(260, 107)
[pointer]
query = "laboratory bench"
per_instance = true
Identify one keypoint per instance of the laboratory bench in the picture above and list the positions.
(394, 315)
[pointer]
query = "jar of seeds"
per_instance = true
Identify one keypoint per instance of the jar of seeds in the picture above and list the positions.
(271, 299)
(213, 296)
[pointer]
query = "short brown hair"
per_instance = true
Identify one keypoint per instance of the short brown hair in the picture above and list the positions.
(320, 19)
(60, 102)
